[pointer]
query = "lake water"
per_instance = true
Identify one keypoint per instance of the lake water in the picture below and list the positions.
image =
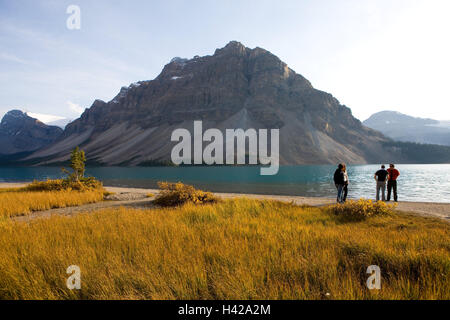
(427, 183)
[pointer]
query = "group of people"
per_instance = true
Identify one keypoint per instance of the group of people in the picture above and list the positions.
(382, 177)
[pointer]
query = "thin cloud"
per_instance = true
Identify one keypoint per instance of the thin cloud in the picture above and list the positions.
(45, 118)
(45, 40)
(12, 58)
(76, 108)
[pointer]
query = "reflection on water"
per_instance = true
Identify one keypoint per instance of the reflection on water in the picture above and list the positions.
(429, 183)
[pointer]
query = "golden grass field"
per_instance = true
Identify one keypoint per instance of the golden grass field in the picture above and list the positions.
(233, 249)
(14, 203)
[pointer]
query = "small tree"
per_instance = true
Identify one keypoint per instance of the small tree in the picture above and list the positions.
(77, 163)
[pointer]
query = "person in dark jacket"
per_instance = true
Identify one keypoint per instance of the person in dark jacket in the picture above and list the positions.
(339, 181)
(381, 176)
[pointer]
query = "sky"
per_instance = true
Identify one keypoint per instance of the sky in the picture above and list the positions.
(372, 55)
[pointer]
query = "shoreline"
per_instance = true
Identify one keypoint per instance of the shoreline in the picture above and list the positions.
(425, 209)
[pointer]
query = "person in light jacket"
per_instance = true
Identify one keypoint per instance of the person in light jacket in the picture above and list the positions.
(346, 182)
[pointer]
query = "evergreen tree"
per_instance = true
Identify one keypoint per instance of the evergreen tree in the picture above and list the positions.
(77, 163)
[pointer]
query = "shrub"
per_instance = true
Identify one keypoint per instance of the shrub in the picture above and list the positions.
(175, 194)
(83, 184)
(361, 209)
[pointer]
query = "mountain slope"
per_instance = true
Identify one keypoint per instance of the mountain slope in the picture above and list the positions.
(402, 127)
(22, 133)
(237, 87)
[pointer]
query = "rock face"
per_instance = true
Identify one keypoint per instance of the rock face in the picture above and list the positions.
(402, 127)
(21, 133)
(237, 87)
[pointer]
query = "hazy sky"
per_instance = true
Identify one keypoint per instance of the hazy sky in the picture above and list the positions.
(372, 55)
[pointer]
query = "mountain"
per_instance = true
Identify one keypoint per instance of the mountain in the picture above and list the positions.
(236, 87)
(22, 133)
(402, 127)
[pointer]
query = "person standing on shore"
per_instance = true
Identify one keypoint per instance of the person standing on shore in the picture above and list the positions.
(339, 181)
(346, 182)
(392, 182)
(381, 176)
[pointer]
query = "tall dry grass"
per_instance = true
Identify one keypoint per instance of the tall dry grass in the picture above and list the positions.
(15, 203)
(48, 194)
(236, 249)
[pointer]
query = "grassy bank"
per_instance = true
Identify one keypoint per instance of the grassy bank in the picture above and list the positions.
(44, 195)
(235, 249)
(23, 203)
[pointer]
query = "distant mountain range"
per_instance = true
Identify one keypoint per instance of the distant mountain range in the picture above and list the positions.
(402, 127)
(237, 87)
(62, 123)
(22, 133)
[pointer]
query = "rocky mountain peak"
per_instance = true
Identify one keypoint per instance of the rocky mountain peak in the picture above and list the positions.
(12, 116)
(178, 60)
(14, 120)
(20, 132)
(16, 113)
(406, 128)
(233, 47)
(237, 87)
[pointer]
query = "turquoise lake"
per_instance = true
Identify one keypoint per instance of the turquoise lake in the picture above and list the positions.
(426, 183)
